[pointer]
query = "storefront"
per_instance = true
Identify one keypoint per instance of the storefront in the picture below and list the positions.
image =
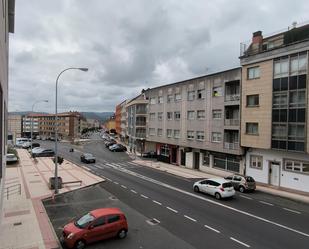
(167, 153)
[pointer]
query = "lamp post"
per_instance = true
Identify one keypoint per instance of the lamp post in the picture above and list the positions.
(56, 122)
(39, 101)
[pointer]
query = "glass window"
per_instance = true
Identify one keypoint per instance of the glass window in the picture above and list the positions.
(152, 101)
(296, 166)
(252, 100)
(164, 150)
(169, 132)
(279, 131)
(177, 97)
(302, 63)
(113, 218)
(200, 135)
(99, 222)
(216, 137)
(252, 128)
(160, 116)
(280, 100)
(201, 94)
(85, 220)
(169, 115)
(253, 73)
(206, 159)
(216, 114)
(190, 115)
(177, 115)
(294, 65)
(256, 162)
(152, 116)
(217, 91)
(169, 98)
(200, 114)
(152, 131)
(190, 134)
(296, 132)
(191, 95)
(176, 133)
(297, 98)
(160, 131)
(160, 99)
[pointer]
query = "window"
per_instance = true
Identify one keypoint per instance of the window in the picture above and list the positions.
(206, 158)
(169, 115)
(296, 132)
(190, 115)
(177, 115)
(190, 134)
(296, 166)
(297, 98)
(281, 68)
(169, 133)
(160, 116)
(253, 73)
(176, 133)
(252, 128)
(201, 94)
(99, 222)
(152, 101)
(253, 100)
(113, 218)
(177, 97)
(200, 114)
(152, 131)
(160, 99)
(169, 98)
(200, 135)
(298, 64)
(216, 137)
(217, 91)
(160, 131)
(164, 150)
(279, 131)
(280, 100)
(216, 114)
(152, 116)
(191, 95)
(256, 162)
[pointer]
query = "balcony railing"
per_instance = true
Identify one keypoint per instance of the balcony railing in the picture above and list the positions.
(231, 146)
(141, 111)
(231, 122)
(232, 97)
(140, 134)
(140, 123)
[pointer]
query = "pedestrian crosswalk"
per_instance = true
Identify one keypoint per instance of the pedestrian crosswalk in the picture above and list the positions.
(116, 165)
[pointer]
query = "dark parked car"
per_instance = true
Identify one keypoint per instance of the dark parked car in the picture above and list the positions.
(117, 147)
(150, 154)
(110, 143)
(43, 153)
(242, 183)
(87, 158)
(27, 145)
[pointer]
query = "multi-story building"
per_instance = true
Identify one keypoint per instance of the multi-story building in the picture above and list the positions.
(110, 124)
(26, 125)
(118, 118)
(136, 129)
(196, 122)
(123, 123)
(7, 10)
(93, 123)
(275, 124)
(14, 127)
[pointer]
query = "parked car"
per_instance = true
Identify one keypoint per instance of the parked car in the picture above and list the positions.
(150, 154)
(218, 187)
(11, 158)
(241, 182)
(21, 141)
(87, 158)
(43, 153)
(94, 226)
(27, 145)
(110, 143)
(117, 147)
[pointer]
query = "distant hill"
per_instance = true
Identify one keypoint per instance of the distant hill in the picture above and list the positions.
(102, 116)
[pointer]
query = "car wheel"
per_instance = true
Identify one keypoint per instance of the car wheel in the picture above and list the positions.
(80, 244)
(241, 189)
(218, 196)
(196, 189)
(122, 234)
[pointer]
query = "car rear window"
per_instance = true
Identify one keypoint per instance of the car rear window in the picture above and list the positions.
(249, 179)
(227, 185)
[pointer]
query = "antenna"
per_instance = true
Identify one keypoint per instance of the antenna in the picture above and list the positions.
(294, 24)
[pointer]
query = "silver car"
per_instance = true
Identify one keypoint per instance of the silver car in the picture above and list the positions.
(241, 182)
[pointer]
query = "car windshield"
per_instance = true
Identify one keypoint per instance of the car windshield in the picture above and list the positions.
(84, 220)
(227, 185)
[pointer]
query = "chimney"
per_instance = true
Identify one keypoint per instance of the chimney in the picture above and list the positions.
(257, 37)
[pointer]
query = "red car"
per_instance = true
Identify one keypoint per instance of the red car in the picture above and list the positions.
(96, 225)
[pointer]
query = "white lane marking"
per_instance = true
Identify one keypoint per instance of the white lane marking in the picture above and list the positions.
(266, 203)
(133, 191)
(238, 241)
(173, 210)
(291, 210)
(159, 203)
(211, 228)
(188, 217)
(123, 186)
(246, 197)
(211, 201)
(144, 196)
(156, 220)
(116, 183)
(107, 178)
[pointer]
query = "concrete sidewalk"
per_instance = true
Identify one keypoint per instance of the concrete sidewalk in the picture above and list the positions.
(191, 173)
(25, 224)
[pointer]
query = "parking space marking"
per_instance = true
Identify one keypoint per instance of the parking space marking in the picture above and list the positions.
(144, 196)
(123, 186)
(211, 228)
(133, 191)
(159, 203)
(292, 211)
(246, 197)
(188, 217)
(173, 210)
(266, 203)
(238, 241)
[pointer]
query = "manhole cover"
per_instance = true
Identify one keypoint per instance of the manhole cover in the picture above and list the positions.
(153, 221)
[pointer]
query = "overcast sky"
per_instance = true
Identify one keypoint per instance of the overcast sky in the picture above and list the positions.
(129, 45)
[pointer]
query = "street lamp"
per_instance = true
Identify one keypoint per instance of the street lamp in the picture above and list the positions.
(84, 69)
(39, 101)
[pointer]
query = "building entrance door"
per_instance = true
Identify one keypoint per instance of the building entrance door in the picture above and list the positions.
(274, 173)
(196, 160)
(183, 157)
(174, 155)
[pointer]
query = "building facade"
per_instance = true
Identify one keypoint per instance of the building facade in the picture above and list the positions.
(196, 122)
(118, 118)
(274, 125)
(14, 127)
(26, 125)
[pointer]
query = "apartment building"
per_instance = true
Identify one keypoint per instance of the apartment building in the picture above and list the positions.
(136, 121)
(274, 124)
(7, 10)
(26, 125)
(110, 124)
(118, 118)
(196, 122)
(121, 121)
(14, 127)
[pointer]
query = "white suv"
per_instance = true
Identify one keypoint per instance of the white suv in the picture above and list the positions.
(218, 187)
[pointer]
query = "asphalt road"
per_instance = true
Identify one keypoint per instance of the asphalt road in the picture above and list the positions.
(255, 220)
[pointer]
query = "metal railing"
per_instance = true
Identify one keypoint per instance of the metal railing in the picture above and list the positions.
(232, 97)
(231, 122)
(231, 146)
(13, 189)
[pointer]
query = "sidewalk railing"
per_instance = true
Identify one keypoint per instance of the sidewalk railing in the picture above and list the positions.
(13, 189)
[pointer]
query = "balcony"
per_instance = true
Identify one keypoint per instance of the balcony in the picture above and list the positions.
(140, 134)
(140, 123)
(231, 146)
(232, 97)
(141, 112)
(231, 122)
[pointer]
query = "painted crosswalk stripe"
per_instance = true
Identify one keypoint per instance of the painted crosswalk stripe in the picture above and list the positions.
(188, 217)
(159, 203)
(266, 203)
